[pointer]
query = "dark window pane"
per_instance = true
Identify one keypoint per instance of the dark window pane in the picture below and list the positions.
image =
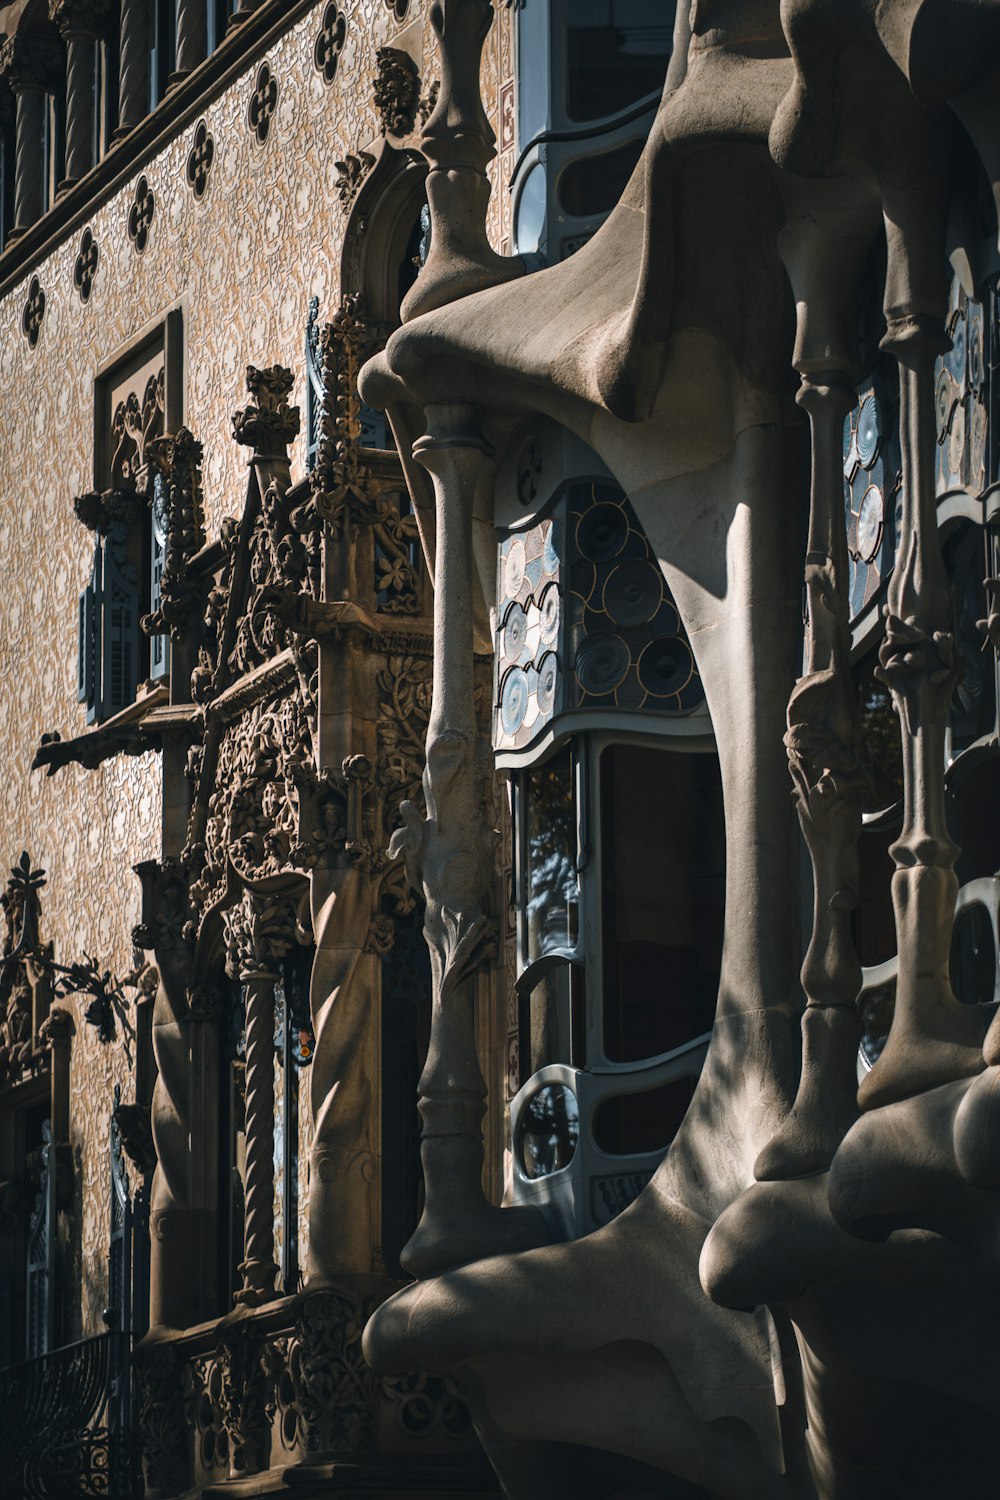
(550, 1128)
(974, 957)
(643, 1122)
(616, 53)
(663, 879)
(550, 879)
(874, 920)
(594, 184)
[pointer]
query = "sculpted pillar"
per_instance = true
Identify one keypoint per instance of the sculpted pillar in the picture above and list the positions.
(824, 731)
(450, 857)
(192, 35)
(30, 67)
(133, 65)
(79, 23)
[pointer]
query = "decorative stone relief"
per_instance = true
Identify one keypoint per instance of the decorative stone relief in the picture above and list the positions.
(86, 265)
(263, 104)
(200, 159)
(396, 91)
(330, 42)
(34, 312)
(140, 215)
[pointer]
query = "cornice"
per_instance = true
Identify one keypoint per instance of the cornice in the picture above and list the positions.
(183, 102)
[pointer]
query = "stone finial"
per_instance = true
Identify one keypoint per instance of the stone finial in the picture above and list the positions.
(458, 144)
(267, 423)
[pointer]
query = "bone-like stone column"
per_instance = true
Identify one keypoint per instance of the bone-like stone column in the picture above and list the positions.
(824, 732)
(30, 67)
(450, 857)
(192, 35)
(934, 1039)
(79, 23)
(458, 145)
(133, 65)
(258, 1267)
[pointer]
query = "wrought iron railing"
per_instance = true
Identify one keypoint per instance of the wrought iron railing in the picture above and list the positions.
(64, 1428)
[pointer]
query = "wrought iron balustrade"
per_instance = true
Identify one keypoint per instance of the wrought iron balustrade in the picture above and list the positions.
(64, 1423)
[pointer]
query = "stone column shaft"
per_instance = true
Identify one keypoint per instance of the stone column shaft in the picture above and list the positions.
(133, 65)
(450, 856)
(81, 105)
(192, 34)
(30, 163)
(258, 1268)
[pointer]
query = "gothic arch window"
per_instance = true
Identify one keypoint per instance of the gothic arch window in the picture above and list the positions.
(386, 233)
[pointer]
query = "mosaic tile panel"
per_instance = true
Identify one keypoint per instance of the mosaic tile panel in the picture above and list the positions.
(872, 485)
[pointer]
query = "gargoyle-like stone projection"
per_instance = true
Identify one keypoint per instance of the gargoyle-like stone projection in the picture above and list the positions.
(780, 345)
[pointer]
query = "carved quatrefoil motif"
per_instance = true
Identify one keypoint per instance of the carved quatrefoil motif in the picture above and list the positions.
(263, 103)
(200, 158)
(330, 43)
(140, 215)
(34, 312)
(398, 8)
(86, 265)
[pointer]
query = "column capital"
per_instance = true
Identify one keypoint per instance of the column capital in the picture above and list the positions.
(29, 61)
(79, 17)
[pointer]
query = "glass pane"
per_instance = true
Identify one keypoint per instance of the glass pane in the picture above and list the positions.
(550, 1128)
(663, 878)
(551, 893)
(974, 957)
(881, 742)
(875, 921)
(594, 184)
(877, 1007)
(616, 52)
(643, 1122)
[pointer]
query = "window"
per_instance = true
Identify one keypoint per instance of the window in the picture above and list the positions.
(619, 836)
(163, 41)
(589, 75)
(126, 514)
(219, 12)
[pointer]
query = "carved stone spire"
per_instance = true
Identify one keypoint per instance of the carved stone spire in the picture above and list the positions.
(458, 145)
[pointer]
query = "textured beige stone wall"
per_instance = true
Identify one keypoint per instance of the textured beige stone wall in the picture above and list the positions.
(242, 263)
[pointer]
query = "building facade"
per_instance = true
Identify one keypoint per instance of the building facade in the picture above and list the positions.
(505, 959)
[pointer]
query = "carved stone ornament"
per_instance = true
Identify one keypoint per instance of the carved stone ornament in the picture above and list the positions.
(396, 91)
(80, 17)
(267, 422)
(140, 215)
(30, 61)
(87, 262)
(263, 104)
(33, 312)
(330, 42)
(351, 173)
(178, 459)
(163, 1426)
(334, 1388)
(135, 1131)
(200, 159)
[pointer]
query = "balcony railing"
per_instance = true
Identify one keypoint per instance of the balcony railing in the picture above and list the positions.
(64, 1423)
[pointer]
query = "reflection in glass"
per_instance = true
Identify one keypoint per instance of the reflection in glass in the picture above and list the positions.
(882, 745)
(663, 878)
(550, 879)
(877, 1007)
(643, 1122)
(974, 957)
(550, 1128)
(616, 53)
